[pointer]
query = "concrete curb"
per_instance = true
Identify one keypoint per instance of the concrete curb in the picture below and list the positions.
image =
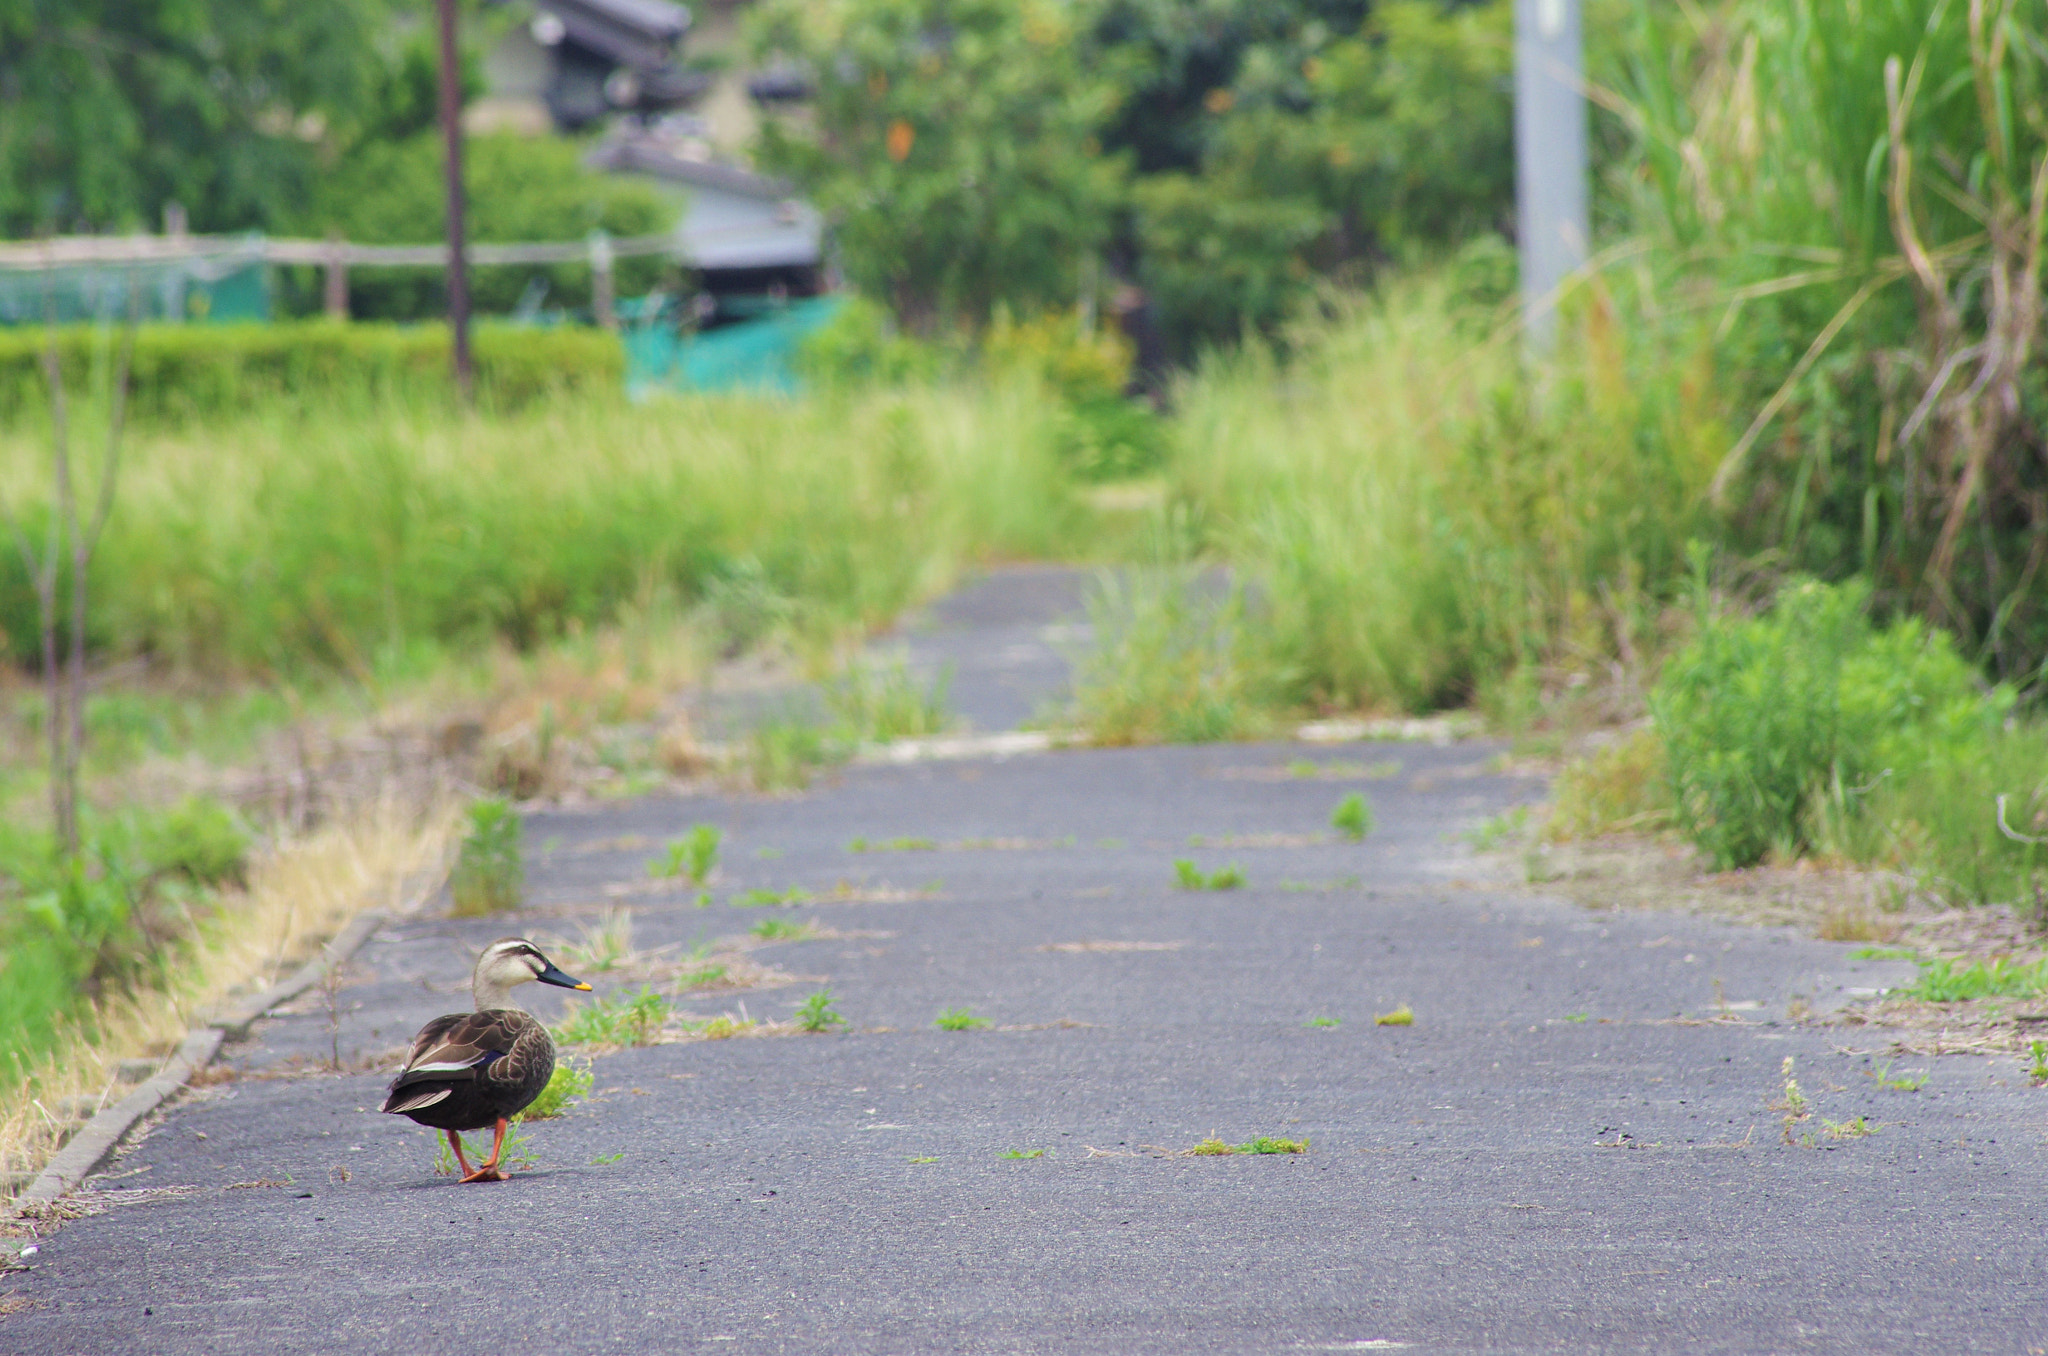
(87, 1149)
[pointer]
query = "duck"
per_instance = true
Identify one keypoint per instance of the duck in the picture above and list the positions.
(470, 1070)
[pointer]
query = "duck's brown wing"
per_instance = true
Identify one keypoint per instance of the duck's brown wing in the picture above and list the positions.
(449, 1052)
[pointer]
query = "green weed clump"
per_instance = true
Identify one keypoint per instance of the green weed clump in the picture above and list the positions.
(1173, 662)
(1620, 788)
(880, 703)
(1946, 981)
(1400, 1016)
(1188, 876)
(958, 1019)
(489, 874)
(780, 930)
(568, 1085)
(816, 1013)
(1213, 1147)
(1353, 817)
(693, 855)
(623, 1020)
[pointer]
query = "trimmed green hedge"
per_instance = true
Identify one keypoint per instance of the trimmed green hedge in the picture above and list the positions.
(192, 371)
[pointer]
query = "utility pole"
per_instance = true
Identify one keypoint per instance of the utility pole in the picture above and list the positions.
(451, 136)
(1550, 155)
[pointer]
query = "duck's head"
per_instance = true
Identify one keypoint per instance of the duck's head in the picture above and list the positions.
(511, 962)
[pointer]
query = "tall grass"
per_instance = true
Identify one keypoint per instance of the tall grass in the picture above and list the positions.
(1418, 518)
(359, 535)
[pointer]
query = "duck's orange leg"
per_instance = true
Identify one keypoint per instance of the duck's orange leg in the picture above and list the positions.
(455, 1143)
(487, 1171)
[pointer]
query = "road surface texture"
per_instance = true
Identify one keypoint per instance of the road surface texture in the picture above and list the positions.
(1572, 1148)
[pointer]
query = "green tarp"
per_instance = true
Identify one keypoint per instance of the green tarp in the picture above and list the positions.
(758, 354)
(224, 285)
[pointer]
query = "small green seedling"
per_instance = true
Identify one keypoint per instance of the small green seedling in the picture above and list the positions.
(1578, 1016)
(1188, 876)
(1793, 1103)
(1026, 1153)
(958, 1019)
(1353, 817)
(926, 1159)
(1326, 1021)
(816, 1013)
(1903, 1083)
(780, 930)
(605, 1160)
(1884, 953)
(1401, 1016)
(1855, 1128)
(2039, 1073)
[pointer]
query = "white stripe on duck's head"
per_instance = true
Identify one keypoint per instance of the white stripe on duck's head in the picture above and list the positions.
(513, 961)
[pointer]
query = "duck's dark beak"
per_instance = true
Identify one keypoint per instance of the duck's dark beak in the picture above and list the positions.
(551, 975)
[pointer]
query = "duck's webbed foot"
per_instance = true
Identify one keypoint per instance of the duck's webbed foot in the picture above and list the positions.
(488, 1170)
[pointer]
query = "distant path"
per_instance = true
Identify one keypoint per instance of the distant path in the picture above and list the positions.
(1571, 1149)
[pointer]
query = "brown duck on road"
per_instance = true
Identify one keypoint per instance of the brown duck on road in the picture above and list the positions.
(472, 1069)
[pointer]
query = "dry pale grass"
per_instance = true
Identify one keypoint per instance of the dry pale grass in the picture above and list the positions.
(302, 890)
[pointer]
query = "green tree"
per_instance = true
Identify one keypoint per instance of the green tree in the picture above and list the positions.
(111, 108)
(954, 148)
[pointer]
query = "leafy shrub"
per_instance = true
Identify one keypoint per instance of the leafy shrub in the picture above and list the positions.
(1770, 722)
(489, 874)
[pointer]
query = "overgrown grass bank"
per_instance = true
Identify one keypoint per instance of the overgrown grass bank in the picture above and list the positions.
(364, 536)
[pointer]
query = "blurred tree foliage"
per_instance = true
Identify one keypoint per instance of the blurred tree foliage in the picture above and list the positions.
(520, 188)
(955, 145)
(1223, 154)
(111, 108)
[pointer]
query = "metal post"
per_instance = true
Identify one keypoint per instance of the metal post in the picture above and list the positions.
(337, 279)
(1550, 154)
(601, 280)
(451, 135)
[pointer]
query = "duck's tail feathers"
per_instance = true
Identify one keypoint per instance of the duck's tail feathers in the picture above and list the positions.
(401, 1101)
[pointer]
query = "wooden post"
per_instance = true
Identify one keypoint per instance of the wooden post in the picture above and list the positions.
(601, 280)
(337, 278)
(451, 136)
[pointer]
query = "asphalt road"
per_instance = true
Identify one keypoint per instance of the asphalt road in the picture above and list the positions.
(1571, 1149)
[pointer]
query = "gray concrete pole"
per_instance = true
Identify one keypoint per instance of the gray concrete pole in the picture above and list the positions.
(1550, 154)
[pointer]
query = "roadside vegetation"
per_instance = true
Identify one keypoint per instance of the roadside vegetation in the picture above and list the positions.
(1773, 503)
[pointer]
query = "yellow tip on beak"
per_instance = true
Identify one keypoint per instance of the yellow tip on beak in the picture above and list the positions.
(584, 987)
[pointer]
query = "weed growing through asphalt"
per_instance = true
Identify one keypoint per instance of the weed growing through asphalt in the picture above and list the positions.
(958, 1019)
(702, 977)
(1578, 1016)
(781, 755)
(882, 703)
(567, 1086)
(1903, 1083)
(605, 1160)
(816, 1013)
(1026, 1153)
(771, 899)
(1884, 953)
(928, 1158)
(620, 1020)
(1353, 817)
(780, 930)
(1213, 1147)
(893, 845)
(488, 875)
(1499, 829)
(2039, 1052)
(1325, 1021)
(1401, 1016)
(606, 944)
(1793, 1103)
(1188, 876)
(1854, 1128)
(725, 1028)
(1943, 981)
(694, 855)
